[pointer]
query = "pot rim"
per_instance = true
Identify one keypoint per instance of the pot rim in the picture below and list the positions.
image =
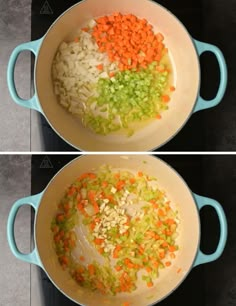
(183, 181)
(187, 117)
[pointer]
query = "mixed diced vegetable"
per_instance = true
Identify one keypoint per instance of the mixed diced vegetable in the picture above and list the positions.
(130, 223)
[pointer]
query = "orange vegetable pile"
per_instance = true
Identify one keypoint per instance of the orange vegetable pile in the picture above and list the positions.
(128, 40)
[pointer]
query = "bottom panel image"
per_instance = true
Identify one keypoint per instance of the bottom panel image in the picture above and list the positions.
(118, 230)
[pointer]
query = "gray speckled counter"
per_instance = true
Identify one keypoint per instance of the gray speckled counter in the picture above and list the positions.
(15, 275)
(14, 120)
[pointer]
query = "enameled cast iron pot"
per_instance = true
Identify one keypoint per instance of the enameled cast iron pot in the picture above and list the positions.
(184, 52)
(188, 205)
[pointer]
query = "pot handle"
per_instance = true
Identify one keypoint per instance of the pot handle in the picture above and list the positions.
(201, 257)
(34, 202)
(32, 46)
(202, 103)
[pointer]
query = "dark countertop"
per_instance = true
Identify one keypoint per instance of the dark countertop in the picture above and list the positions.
(212, 284)
(15, 19)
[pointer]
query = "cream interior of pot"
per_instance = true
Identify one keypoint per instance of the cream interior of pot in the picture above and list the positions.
(185, 66)
(177, 191)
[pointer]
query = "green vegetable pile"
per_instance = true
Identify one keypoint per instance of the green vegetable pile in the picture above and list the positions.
(129, 97)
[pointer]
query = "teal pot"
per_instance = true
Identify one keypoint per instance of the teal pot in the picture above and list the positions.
(184, 53)
(187, 203)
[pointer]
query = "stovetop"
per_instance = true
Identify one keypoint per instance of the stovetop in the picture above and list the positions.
(44, 293)
(212, 284)
(192, 136)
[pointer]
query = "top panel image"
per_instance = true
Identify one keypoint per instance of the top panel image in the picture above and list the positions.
(118, 75)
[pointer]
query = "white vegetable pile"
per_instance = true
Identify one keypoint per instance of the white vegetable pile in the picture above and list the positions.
(75, 72)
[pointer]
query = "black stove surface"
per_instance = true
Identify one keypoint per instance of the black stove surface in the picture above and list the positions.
(212, 284)
(191, 13)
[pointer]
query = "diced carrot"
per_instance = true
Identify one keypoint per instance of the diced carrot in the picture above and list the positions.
(172, 88)
(96, 207)
(117, 175)
(97, 220)
(85, 29)
(172, 255)
(104, 184)
(126, 304)
(111, 74)
(127, 261)
(130, 265)
(80, 206)
(158, 116)
(158, 57)
(66, 243)
(92, 226)
(71, 191)
(148, 269)
(179, 270)
(72, 243)
(150, 234)
(101, 250)
(140, 173)
(84, 175)
(168, 232)
(160, 37)
(80, 270)
(165, 98)
(91, 195)
(168, 263)
(155, 264)
(91, 269)
(60, 218)
(162, 255)
(55, 229)
(150, 284)
(120, 184)
(82, 258)
(98, 241)
(76, 39)
(57, 238)
(172, 248)
(141, 250)
(167, 208)
(132, 180)
(110, 197)
(64, 259)
(100, 67)
(79, 278)
(170, 221)
(66, 207)
(92, 176)
(161, 212)
(118, 268)
(154, 204)
(116, 251)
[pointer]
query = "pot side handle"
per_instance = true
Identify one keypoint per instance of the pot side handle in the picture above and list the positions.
(202, 103)
(34, 202)
(32, 46)
(202, 258)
